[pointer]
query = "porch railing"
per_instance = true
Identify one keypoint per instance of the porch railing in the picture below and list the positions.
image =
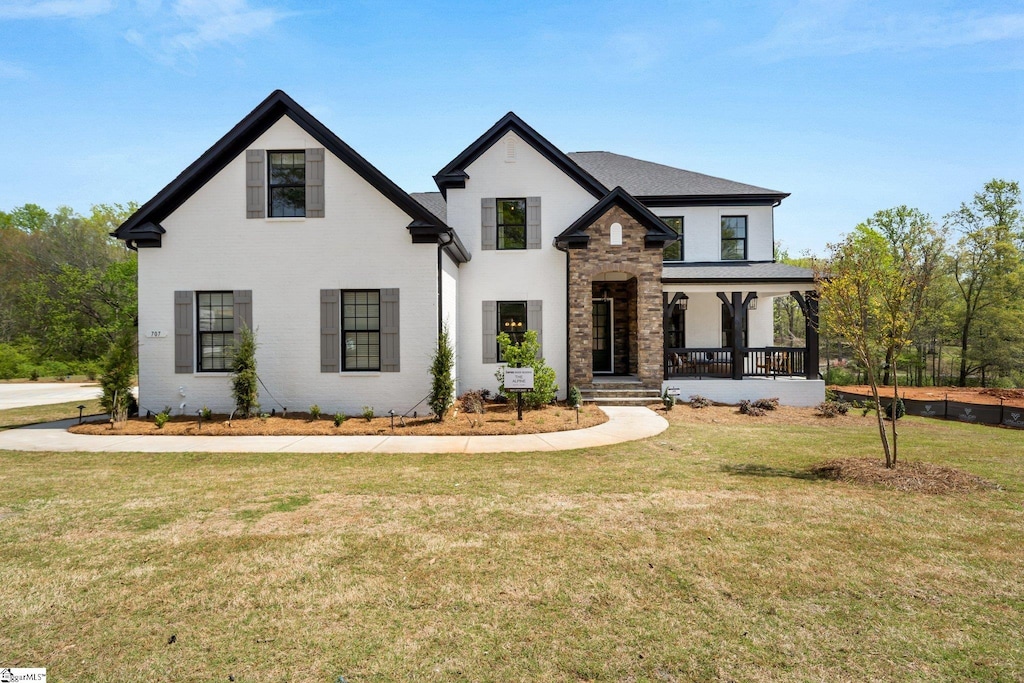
(768, 361)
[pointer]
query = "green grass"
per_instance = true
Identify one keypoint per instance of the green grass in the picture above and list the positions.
(19, 417)
(703, 553)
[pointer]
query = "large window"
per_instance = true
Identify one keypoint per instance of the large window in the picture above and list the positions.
(511, 223)
(360, 329)
(216, 312)
(511, 321)
(734, 238)
(287, 182)
(674, 251)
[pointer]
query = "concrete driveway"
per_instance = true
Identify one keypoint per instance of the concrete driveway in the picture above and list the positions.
(41, 393)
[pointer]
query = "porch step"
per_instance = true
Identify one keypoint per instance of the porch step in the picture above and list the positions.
(623, 396)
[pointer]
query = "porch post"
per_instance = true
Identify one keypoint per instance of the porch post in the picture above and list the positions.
(739, 311)
(811, 318)
(808, 302)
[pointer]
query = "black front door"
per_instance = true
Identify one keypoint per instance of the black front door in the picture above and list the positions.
(602, 335)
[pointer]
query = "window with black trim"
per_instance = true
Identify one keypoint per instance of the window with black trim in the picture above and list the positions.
(286, 195)
(360, 329)
(512, 321)
(734, 238)
(675, 328)
(674, 251)
(511, 223)
(216, 326)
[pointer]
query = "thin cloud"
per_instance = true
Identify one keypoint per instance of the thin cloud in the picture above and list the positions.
(831, 29)
(191, 26)
(12, 72)
(54, 9)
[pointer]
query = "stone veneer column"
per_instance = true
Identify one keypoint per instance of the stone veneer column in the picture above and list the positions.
(632, 257)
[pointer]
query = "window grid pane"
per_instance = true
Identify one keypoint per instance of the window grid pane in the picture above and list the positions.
(512, 321)
(674, 251)
(361, 329)
(734, 238)
(511, 223)
(216, 323)
(287, 184)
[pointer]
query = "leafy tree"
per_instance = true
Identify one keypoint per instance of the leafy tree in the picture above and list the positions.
(987, 260)
(244, 380)
(522, 355)
(442, 389)
(118, 377)
(875, 283)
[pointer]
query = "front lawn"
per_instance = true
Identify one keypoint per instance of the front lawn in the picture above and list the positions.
(707, 552)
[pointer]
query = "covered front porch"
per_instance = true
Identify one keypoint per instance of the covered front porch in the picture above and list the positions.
(742, 345)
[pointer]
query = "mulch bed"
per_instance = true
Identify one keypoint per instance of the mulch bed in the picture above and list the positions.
(982, 396)
(914, 477)
(497, 419)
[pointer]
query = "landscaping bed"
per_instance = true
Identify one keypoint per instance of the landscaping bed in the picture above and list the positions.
(979, 395)
(497, 419)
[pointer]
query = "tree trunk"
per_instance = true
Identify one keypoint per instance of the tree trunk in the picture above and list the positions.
(895, 418)
(963, 351)
(878, 415)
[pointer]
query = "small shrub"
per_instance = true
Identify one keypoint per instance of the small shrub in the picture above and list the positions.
(699, 402)
(368, 413)
(668, 401)
(314, 412)
(206, 413)
(832, 408)
(244, 381)
(901, 409)
(34, 375)
(161, 418)
(472, 401)
(527, 354)
(751, 408)
(339, 418)
(575, 396)
(442, 388)
(766, 403)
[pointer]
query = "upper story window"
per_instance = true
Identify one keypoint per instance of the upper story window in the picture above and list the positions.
(216, 338)
(674, 251)
(287, 184)
(734, 238)
(511, 223)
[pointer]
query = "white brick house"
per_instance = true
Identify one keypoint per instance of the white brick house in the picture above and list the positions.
(346, 277)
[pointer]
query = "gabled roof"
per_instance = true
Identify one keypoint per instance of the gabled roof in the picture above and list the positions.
(433, 202)
(140, 226)
(657, 184)
(658, 234)
(736, 271)
(454, 173)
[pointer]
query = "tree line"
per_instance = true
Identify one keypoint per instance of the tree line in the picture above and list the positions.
(67, 289)
(966, 296)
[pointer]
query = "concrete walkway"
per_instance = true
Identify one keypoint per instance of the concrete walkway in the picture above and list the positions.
(624, 424)
(45, 393)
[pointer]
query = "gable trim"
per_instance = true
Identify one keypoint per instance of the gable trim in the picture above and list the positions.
(658, 234)
(238, 139)
(454, 173)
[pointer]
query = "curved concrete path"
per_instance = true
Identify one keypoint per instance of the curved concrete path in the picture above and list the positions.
(25, 394)
(624, 424)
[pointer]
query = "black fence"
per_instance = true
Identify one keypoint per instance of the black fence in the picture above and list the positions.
(977, 413)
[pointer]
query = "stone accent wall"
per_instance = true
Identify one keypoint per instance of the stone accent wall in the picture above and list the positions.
(643, 299)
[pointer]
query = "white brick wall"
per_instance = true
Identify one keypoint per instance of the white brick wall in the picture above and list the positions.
(361, 243)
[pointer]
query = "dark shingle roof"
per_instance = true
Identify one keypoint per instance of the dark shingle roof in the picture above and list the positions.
(433, 202)
(647, 179)
(763, 271)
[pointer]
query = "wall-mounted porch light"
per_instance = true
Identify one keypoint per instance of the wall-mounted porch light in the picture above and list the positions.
(683, 302)
(753, 304)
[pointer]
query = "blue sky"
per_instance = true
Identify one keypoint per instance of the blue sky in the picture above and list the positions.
(851, 107)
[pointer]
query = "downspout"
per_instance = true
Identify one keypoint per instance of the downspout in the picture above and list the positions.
(440, 279)
(567, 316)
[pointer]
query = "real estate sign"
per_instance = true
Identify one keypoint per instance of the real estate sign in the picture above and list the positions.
(518, 379)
